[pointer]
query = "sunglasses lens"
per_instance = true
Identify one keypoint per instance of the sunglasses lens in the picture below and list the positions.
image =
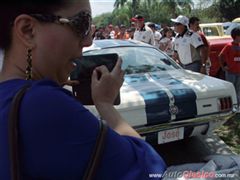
(81, 23)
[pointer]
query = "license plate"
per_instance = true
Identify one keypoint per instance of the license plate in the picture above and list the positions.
(170, 135)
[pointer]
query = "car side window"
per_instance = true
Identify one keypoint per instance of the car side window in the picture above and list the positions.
(210, 31)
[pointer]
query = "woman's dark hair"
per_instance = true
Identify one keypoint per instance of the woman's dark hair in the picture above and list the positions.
(235, 32)
(165, 30)
(10, 9)
(193, 19)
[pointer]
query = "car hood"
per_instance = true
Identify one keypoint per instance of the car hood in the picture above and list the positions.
(164, 96)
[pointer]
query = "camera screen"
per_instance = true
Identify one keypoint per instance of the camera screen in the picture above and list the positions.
(83, 73)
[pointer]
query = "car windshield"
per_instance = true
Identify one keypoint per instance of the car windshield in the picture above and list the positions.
(140, 59)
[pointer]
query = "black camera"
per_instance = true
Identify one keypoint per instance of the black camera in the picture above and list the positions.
(83, 73)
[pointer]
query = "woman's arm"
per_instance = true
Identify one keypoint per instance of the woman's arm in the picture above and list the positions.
(104, 91)
(115, 120)
(222, 60)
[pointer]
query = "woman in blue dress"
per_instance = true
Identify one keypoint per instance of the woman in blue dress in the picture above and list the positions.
(40, 40)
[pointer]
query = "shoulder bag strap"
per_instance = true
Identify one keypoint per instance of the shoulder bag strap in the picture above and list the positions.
(14, 141)
(13, 133)
(97, 153)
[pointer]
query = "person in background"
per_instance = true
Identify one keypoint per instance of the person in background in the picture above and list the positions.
(122, 33)
(41, 40)
(229, 59)
(194, 26)
(111, 30)
(107, 32)
(99, 34)
(116, 32)
(157, 35)
(129, 33)
(188, 46)
(142, 32)
(166, 42)
(93, 29)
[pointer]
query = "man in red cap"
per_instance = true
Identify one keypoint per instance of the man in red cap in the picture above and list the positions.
(142, 33)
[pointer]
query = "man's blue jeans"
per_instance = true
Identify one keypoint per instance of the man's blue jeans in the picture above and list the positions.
(235, 79)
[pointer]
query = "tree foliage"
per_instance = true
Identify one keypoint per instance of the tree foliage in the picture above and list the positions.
(119, 3)
(161, 11)
(229, 9)
(103, 20)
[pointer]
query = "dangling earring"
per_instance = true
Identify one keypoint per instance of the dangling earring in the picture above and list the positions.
(28, 71)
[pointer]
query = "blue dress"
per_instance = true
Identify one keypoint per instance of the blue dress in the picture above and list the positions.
(57, 135)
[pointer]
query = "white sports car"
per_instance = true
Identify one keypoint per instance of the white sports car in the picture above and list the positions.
(162, 101)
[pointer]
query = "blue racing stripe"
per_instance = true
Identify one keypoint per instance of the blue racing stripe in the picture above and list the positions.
(156, 106)
(185, 97)
(156, 101)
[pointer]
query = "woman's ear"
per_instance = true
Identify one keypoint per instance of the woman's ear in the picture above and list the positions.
(24, 29)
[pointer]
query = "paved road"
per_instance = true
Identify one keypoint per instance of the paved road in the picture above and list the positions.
(193, 149)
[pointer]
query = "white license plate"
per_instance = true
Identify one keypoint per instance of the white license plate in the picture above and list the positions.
(170, 135)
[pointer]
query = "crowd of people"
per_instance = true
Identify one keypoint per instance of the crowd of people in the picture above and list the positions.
(183, 41)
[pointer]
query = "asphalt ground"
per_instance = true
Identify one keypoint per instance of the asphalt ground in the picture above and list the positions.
(192, 150)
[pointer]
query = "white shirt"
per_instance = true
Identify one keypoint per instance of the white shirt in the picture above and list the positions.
(186, 47)
(157, 37)
(167, 45)
(112, 33)
(145, 35)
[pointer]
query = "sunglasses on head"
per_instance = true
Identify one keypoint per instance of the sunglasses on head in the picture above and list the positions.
(79, 23)
(177, 24)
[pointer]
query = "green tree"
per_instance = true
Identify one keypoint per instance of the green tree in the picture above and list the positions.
(134, 4)
(161, 11)
(176, 7)
(134, 7)
(122, 16)
(119, 3)
(103, 19)
(229, 9)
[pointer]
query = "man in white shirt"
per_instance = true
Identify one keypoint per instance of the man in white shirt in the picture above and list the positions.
(142, 33)
(188, 46)
(157, 35)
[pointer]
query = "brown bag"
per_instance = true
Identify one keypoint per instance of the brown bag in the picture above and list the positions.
(13, 130)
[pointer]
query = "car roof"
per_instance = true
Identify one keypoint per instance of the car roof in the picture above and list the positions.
(237, 20)
(211, 24)
(110, 43)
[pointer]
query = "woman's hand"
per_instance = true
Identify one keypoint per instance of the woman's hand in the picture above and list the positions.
(105, 85)
(105, 88)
